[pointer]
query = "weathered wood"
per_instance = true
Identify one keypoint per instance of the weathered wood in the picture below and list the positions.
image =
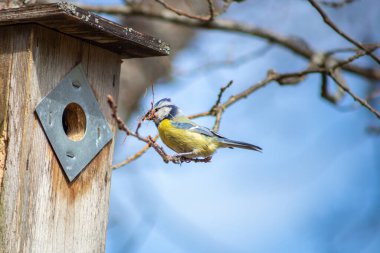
(82, 24)
(40, 211)
(5, 70)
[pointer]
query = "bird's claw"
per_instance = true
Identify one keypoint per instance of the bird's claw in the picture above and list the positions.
(179, 159)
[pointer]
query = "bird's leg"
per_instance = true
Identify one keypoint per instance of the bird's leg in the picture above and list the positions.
(179, 155)
(207, 159)
(183, 157)
(196, 160)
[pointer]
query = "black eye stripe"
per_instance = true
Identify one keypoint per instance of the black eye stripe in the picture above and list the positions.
(164, 106)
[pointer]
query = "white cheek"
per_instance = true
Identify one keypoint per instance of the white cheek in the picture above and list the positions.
(162, 113)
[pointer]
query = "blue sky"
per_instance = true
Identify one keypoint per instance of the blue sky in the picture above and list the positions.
(315, 188)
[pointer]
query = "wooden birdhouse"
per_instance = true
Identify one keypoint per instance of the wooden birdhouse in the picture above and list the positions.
(58, 63)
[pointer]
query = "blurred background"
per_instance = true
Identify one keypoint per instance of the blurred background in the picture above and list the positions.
(316, 186)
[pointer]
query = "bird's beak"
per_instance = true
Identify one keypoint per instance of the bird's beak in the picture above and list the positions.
(149, 115)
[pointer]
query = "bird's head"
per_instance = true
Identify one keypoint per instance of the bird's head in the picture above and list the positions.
(163, 109)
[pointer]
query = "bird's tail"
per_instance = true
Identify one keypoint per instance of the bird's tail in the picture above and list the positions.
(227, 143)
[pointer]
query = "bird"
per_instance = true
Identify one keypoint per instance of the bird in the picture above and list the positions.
(184, 136)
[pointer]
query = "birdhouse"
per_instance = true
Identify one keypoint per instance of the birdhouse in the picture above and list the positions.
(58, 63)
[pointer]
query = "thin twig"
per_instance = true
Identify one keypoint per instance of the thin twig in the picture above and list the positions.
(218, 119)
(218, 110)
(330, 23)
(220, 94)
(199, 115)
(354, 96)
(188, 15)
(152, 102)
(211, 9)
(139, 125)
(135, 156)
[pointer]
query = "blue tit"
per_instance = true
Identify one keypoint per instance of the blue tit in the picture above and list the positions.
(185, 137)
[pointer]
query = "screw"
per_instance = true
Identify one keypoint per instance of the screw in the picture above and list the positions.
(69, 154)
(76, 84)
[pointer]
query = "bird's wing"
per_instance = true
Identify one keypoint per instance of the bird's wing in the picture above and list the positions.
(195, 128)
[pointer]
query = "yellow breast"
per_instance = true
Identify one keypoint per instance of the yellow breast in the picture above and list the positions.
(183, 141)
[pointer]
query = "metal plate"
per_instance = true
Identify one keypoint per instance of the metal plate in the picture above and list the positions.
(73, 155)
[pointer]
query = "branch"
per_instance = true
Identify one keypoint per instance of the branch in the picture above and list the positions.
(298, 47)
(329, 22)
(216, 109)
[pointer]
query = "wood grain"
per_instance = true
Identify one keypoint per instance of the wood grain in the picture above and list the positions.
(74, 21)
(5, 70)
(40, 211)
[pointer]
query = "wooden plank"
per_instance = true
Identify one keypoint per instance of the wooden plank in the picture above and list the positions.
(82, 24)
(6, 62)
(5, 70)
(40, 211)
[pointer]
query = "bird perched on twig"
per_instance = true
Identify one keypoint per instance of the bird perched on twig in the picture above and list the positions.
(185, 137)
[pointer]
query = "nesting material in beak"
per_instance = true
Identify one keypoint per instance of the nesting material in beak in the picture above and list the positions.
(149, 115)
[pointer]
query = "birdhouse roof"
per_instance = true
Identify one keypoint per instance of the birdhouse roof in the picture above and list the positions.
(79, 23)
